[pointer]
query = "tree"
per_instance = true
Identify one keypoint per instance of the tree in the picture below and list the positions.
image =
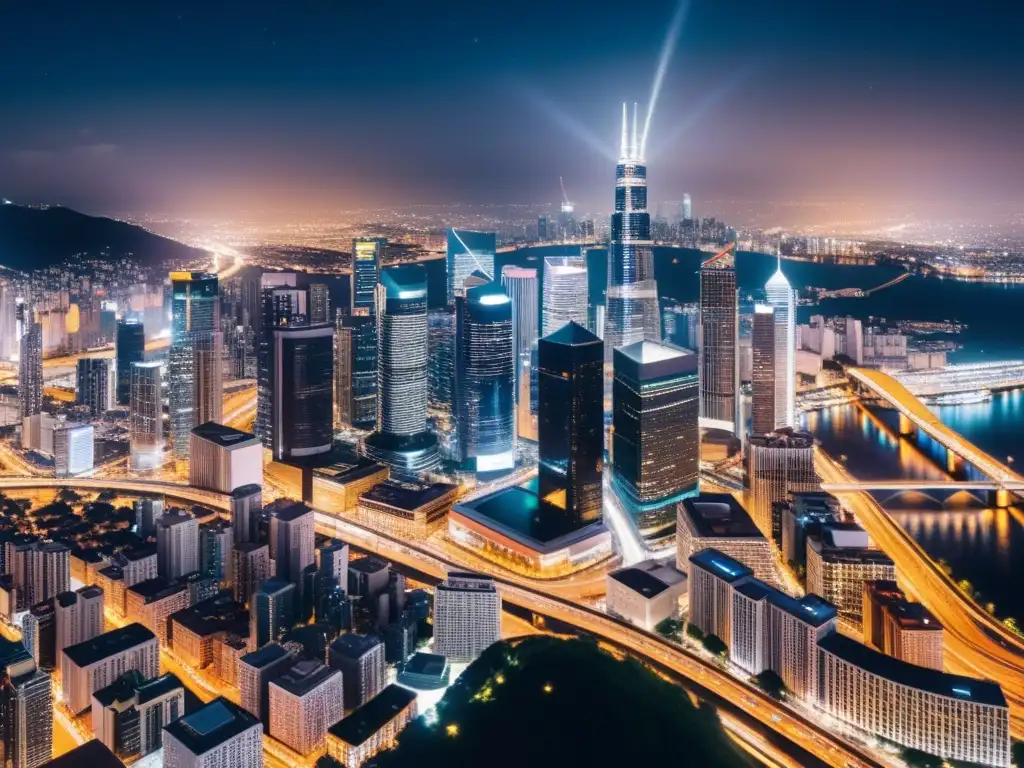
(1017, 753)
(915, 758)
(713, 644)
(669, 628)
(771, 683)
(694, 631)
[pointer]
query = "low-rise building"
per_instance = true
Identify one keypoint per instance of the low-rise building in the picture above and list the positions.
(900, 628)
(645, 594)
(407, 510)
(839, 561)
(372, 727)
(718, 521)
(337, 488)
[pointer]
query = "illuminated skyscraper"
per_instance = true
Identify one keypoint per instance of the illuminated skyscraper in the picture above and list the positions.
(95, 384)
(484, 377)
(441, 375)
(303, 391)
(131, 348)
(402, 440)
(30, 362)
(355, 365)
(571, 422)
(195, 367)
(521, 286)
(783, 302)
(632, 297)
(468, 252)
(565, 292)
(367, 255)
(145, 416)
(687, 207)
(762, 378)
(282, 304)
(319, 304)
(719, 323)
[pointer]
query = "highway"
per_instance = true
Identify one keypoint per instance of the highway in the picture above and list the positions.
(975, 643)
(790, 724)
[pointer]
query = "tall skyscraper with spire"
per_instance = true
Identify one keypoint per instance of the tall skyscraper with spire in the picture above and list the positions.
(783, 303)
(632, 298)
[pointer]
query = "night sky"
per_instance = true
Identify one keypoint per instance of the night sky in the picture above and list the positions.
(314, 106)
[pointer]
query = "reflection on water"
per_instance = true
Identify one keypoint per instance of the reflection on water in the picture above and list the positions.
(978, 543)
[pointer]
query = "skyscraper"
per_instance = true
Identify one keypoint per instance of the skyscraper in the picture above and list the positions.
(565, 292)
(656, 438)
(291, 539)
(30, 365)
(520, 284)
(484, 378)
(250, 567)
(95, 384)
(778, 464)
(246, 510)
(319, 304)
(145, 416)
(763, 370)
(468, 252)
(571, 422)
(355, 365)
(687, 207)
(367, 256)
(402, 440)
(719, 325)
(26, 709)
(195, 368)
(271, 611)
(302, 410)
(632, 295)
(783, 302)
(281, 305)
(441, 373)
(131, 348)
(177, 544)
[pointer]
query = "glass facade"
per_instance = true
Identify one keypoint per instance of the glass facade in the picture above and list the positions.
(521, 286)
(441, 373)
(195, 365)
(783, 301)
(484, 379)
(281, 305)
(303, 391)
(570, 422)
(356, 371)
(367, 253)
(131, 348)
(565, 292)
(719, 325)
(468, 252)
(762, 377)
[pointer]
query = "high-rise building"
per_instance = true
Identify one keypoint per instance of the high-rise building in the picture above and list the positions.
(131, 348)
(468, 252)
(367, 258)
(223, 458)
(218, 734)
(255, 671)
(520, 284)
(147, 511)
(30, 366)
(782, 300)
(687, 208)
(250, 567)
(402, 440)
(778, 464)
(304, 702)
(271, 611)
(145, 416)
(39, 570)
(571, 422)
(762, 377)
(302, 399)
(195, 368)
(565, 292)
(719, 323)
(79, 617)
(467, 616)
(632, 294)
(89, 666)
(899, 628)
(655, 438)
(839, 561)
(246, 512)
(484, 378)
(129, 715)
(73, 449)
(282, 304)
(355, 366)
(360, 658)
(441, 371)
(177, 544)
(95, 384)
(26, 707)
(319, 304)
(39, 634)
(719, 522)
(216, 543)
(291, 539)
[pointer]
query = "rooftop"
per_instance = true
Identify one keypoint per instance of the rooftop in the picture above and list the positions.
(354, 645)
(304, 677)
(373, 715)
(367, 565)
(646, 351)
(423, 663)
(156, 589)
(108, 644)
(572, 334)
(911, 675)
(158, 686)
(93, 753)
(719, 515)
(246, 490)
(224, 436)
(122, 689)
(215, 614)
(639, 581)
(211, 725)
(783, 438)
(343, 472)
(811, 609)
(407, 496)
(287, 510)
(265, 656)
(723, 566)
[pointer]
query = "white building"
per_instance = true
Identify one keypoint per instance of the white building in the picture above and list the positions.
(72, 449)
(783, 302)
(360, 659)
(158, 702)
(372, 727)
(145, 416)
(292, 540)
(222, 458)
(177, 544)
(219, 735)
(839, 561)
(96, 663)
(467, 616)
(565, 292)
(645, 594)
(78, 616)
(304, 702)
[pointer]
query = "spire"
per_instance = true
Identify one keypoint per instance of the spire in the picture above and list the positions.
(624, 148)
(634, 149)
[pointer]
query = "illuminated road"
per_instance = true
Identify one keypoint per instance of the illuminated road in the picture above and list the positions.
(788, 723)
(975, 643)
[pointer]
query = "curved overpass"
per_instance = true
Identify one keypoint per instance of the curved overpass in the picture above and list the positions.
(790, 724)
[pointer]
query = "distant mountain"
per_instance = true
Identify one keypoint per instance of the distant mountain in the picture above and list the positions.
(37, 238)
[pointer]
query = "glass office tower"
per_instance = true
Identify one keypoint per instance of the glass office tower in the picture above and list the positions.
(131, 348)
(565, 292)
(468, 252)
(355, 367)
(282, 304)
(303, 391)
(782, 299)
(520, 284)
(367, 256)
(719, 325)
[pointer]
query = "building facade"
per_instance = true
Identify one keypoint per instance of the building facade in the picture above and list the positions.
(782, 300)
(468, 252)
(719, 331)
(762, 373)
(520, 284)
(779, 464)
(130, 349)
(467, 616)
(222, 458)
(145, 416)
(565, 292)
(355, 364)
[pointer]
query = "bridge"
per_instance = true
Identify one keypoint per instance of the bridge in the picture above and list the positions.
(914, 415)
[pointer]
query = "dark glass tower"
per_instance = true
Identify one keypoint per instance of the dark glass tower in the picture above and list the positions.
(719, 381)
(303, 399)
(402, 440)
(632, 297)
(570, 422)
(131, 348)
(485, 377)
(367, 253)
(281, 305)
(356, 371)
(762, 375)
(656, 438)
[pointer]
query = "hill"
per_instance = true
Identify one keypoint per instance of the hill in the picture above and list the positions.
(543, 702)
(37, 238)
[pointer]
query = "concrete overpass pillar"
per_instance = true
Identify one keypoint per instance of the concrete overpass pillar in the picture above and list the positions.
(955, 465)
(906, 426)
(999, 498)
